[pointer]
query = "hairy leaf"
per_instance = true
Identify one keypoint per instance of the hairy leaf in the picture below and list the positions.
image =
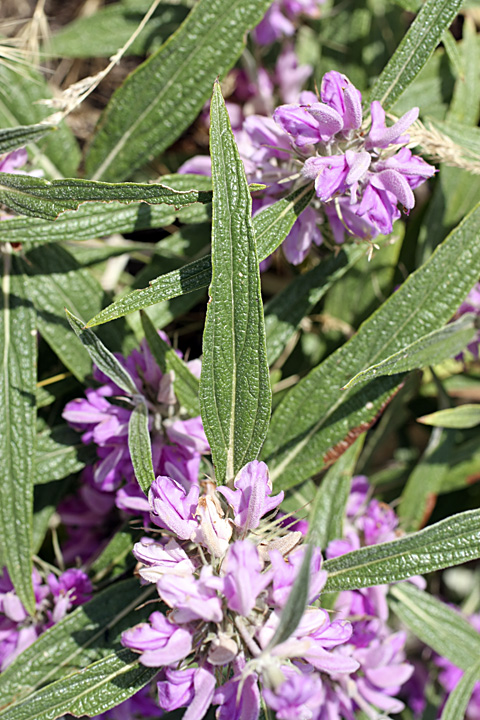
(163, 96)
(18, 345)
(17, 137)
(235, 395)
(463, 416)
(450, 542)
(417, 46)
(46, 199)
(140, 446)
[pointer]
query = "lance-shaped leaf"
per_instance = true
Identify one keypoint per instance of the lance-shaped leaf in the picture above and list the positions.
(459, 698)
(447, 632)
(463, 416)
(163, 96)
(46, 199)
(450, 542)
(271, 226)
(418, 44)
(296, 603)
(17, 137)
(90, 691)
(431, 349)
(18, 345)
(89, 221)
(235, 394)
(89, 633)
(140, 447)
(102, 357)
(317, 420)
(328, 511)
(186, 385)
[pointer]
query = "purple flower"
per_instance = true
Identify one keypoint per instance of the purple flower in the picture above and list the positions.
(238, 698)
(173, 508)
(243, 580)
(10, 162)
(471, 305)
(192, 598)
(160, 641)
(279, 19)
(193, 688)
(297, 698)
(449, 677)
(251, 498)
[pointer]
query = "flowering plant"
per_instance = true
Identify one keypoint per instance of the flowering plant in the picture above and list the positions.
(249, 503)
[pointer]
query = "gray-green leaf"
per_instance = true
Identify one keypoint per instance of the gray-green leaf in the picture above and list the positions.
(235, 395)
(463, 416)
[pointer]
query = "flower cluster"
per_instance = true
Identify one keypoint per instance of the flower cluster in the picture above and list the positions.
(379, 651)
(225, 571)
(178, 442)
(279, 20)
(360, 177)
(54, 597)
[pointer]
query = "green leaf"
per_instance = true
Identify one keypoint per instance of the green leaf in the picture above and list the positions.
(109, 28)
(60, 452)
(431, 349)
(46, 199)
(317, 421)
(463, 416)
(102, 357)
(271, 226)
(286, 310)
(57, 153)
(296, 603)
(89, 633)
(162, 97)
(17, 137)
(440, 627)
(91, 691)
(55, 280)
(235, 394)
(140, 446)
(185, 383)
(450, 542)
(418, 44)
(459, 698)
(425, 481)
(89, 221)
(18, 344)
(465, 105)
(117, 556)
(327, 514)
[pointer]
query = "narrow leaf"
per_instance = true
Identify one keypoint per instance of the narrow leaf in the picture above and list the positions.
(328, 511)
(440, 627)
(450, 542)
(163, 96)
(271, 226)
(185, 383)
(431, 349)
(235, 394)
(459, 698)
(140, 446)
(317, 421)
(17, 137)
(418, 44)
(34, 196)
(463, 416)
(18, 345)
(91, 691)
(102, 357)
(296, 603)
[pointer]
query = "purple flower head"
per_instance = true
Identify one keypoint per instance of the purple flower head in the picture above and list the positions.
(239, 697)
(279, 19)
(471, 305)
(296, 698)
(10, 162)
(173, 508)
(191, 688)
(160, 641)
(192, 598)
(251, 498)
